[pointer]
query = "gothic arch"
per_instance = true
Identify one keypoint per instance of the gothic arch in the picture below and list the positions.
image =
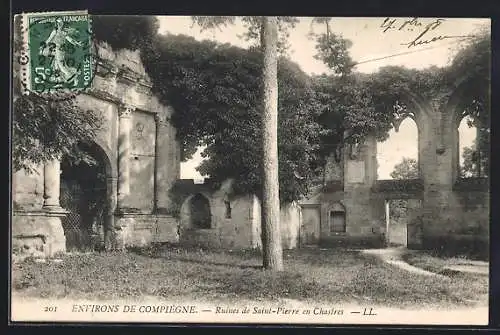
(420, 111)
(186, 215)
(418, 108)
(453, 113)
(337, 207)
(458, 98)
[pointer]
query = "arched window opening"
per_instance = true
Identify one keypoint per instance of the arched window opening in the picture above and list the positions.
(472, 140)
(337, 219)
(397, 156)
(200, 212)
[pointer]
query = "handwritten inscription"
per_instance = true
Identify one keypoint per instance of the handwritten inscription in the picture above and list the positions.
(425, 33)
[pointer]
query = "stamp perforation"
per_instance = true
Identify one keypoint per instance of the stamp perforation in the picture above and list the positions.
(63, 61)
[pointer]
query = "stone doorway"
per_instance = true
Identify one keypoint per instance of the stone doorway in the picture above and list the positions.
(200, 212)
(398, 214)
(310, 225)
(84, 195)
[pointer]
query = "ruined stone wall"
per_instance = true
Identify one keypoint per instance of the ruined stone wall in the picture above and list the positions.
(142, 163)
(364, 214)
(142, 212)
(28, 189)
(240, 231)
(35, 231)
(234, 232)
(452, 216)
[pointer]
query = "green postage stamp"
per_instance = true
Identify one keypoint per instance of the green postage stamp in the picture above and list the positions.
(58, 47)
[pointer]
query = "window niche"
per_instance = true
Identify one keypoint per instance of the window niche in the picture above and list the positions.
(337, 219)
(228, 209)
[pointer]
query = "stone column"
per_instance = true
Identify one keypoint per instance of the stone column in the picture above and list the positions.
(47, 224)
(125, 114)
(52, 185)
(163, 165)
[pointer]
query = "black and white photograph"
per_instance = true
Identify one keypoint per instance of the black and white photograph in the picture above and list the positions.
(250, 169)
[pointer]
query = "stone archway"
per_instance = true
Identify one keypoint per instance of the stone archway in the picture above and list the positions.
(196, 213)
(417, 111)
(200, 217)
(86, 193)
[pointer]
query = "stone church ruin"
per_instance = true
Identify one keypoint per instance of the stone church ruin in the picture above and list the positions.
(126, 199)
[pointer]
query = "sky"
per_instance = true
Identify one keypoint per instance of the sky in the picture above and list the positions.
(372, 39)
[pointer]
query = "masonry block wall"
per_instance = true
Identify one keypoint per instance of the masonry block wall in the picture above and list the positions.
(36, 230)
(239, 230)
(348, 187)
(454, 213)
(450, 220)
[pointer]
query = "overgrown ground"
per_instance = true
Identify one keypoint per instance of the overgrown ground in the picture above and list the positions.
(168, 272)
(435, 263)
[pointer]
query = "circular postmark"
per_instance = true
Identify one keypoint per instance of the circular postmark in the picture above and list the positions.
(59, 55)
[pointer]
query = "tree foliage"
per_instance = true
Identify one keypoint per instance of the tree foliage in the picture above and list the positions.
(475, 163)
(44, 130)
(472, 67)
(125, 31)
(214, 90)
(406, 169)
(253, 25)
(472, 59)
(332, 49)
(360, 105)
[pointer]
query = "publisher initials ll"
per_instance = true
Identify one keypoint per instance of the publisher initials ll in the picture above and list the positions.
(369, 312)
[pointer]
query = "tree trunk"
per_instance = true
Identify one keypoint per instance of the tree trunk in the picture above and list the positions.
(271, 232)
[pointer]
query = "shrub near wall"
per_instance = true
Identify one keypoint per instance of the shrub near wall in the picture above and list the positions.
(473, 246)
(467, 235)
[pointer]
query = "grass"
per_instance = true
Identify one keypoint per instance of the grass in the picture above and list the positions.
(169, 272)
(432, 262)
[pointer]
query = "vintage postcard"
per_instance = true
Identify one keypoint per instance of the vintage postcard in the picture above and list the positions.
(257, 170)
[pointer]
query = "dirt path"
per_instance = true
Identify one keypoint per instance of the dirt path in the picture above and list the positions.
(393, 256)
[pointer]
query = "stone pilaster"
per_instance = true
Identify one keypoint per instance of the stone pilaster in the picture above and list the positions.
(124, 124)
(119, 235)
(163, 165)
